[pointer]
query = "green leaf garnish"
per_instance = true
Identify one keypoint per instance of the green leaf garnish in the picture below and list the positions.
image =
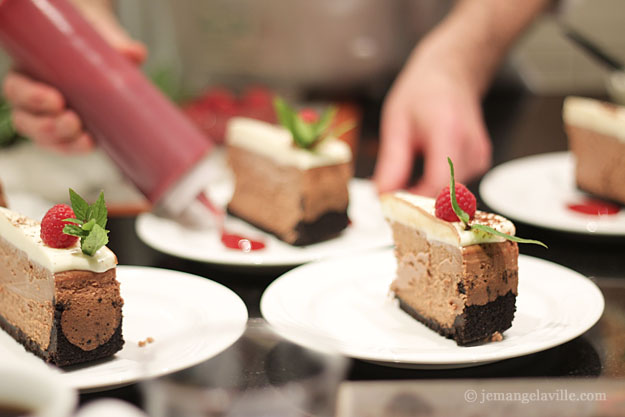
(464, 217)
(96, 238)
(505, 235)
(90, 223)
(305, 134)
(79, 205)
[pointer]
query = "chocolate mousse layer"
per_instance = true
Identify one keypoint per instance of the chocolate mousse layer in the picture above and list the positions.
(600, 163)
(466, 293)
(88, 316)
(298, 206)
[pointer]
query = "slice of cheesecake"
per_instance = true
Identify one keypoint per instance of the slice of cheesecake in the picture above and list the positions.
(61, 304)
(596, 134)
(3, 200)
(299, 195)
(461, 283)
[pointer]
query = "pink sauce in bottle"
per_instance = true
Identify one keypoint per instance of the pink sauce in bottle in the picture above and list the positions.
(145, 134)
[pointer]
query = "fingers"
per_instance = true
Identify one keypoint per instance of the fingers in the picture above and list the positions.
(396, 153)
(468, 148)
(106, 23)
(61, 132)
(32, 96)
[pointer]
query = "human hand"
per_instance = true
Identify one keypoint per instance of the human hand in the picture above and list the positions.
(39, 111)
(433, 109)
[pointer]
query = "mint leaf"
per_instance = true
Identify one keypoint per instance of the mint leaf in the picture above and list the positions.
(79, 205)
(89, 224)
(284, 113)
(305, 134)
(72, 229)
(462, 215)
(506, 236)
(99, 211)
(322, 125)
(94, 241)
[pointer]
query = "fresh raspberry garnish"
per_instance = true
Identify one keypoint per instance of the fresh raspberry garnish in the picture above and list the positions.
(466, 201)
(52, 226)
(309, 115)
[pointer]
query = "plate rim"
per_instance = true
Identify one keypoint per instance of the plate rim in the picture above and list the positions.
(255, 259)
(110, 384)
(451, 363)
(559, 157)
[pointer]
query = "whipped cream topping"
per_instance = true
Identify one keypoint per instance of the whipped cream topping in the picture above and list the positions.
(23, 232)
(275, 142)
(601, 117)
(419, 212)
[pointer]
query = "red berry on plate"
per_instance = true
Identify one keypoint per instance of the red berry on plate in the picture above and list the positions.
(219, 99)
(257, 97)
(52, 226)
(309, 115)
(465, 199)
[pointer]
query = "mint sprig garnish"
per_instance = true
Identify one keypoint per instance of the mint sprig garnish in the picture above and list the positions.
(305, 134)
(464, 217)
(90, 223)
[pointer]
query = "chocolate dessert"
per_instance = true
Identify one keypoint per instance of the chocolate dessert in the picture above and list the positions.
(459, 282)
(61, 304)
(596, 133)
(300, 195)
(3, 201)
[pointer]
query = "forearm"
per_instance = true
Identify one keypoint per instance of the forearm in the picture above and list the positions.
(477, 34)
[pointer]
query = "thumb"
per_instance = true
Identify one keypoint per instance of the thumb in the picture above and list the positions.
(395, 156)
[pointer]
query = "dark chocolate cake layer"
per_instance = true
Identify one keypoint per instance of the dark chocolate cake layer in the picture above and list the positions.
(327, 226)
(476, 323)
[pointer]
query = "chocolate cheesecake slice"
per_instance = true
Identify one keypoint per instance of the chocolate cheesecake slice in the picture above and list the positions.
(3, 201)
(461, 283)
(596, 134)
(61, 304)
(299, 195)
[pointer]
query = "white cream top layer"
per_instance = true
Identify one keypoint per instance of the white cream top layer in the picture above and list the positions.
(418, 212)
(275, 142)
(595, 115)
(23, 232)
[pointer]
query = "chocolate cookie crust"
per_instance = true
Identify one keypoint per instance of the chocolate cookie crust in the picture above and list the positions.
(476, 323)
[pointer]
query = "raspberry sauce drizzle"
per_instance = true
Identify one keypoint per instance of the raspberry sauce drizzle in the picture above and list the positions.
(230, 240)
(593, 207)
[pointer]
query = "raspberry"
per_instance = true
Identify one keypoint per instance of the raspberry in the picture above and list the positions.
(465, 198)
(52, 226)
(309, 115)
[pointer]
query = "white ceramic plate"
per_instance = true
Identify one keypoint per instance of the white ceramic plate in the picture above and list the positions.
(28, 204)
(367, 230)
(345, 304)
(166, 306)
(537, 189)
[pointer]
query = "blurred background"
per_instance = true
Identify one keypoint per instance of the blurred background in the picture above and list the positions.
(348, 45)
(212, 56)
